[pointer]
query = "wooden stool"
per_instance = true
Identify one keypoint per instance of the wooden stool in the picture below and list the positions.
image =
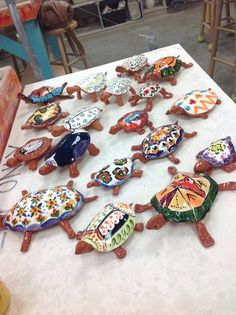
(74, 43)
(229, 28)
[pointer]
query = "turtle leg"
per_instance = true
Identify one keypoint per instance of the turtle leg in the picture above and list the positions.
(65, 225)
(137, 173)
(93, 184)
(64, 114)
(2, 226)
(229, 167)
(93, 97)
(26, 241)
(32, 165)
(227, 186)
(24, 192)
(139, 227)
(134, 99)
(203, 234)
(172, 80)
(83, 248)
(186, 65)
(96, 125)
(165, 94)
(46, 169)
(136, 147)
(188, 135)
(132, 90)
(141, 208)
(72, 89)
(140, 157)
(172, 170)
(56, 131)
(149, 104)
(114, 129)
(12, 162)
(73, 169)
(150, 125)
(119, 100)
(116, 190)
(70, 184)
(90, 199)
(203, 115)
(156, 222)
(140, 131)
(120, 252)
(218, 102)
(93, 150)
(105, 98)
(137, 76)
(93, 175)
(203, 167)
(173, 159)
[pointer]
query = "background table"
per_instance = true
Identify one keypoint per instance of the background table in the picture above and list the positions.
(165, 272)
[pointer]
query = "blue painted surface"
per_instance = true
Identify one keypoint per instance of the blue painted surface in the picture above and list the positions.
(13, 47)
(54, 47)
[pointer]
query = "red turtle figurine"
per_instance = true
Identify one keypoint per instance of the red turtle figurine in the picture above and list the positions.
(43, 209)
(148, 91)
(187, 198)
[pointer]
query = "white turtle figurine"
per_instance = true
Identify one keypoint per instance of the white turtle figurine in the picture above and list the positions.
(115, 174)
(81, 119)
(196, 103)
(91, 85)
(108, 230)
(43, 209)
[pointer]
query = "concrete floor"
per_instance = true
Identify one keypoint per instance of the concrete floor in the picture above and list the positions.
(168, 28)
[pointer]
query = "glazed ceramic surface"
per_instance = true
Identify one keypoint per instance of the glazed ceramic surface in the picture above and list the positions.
(167, 66)
(81, 119)
(94, 83)
(45, 115)
(133, 120)
(45, 94)
(197, 102)
(32, 149)
(117, 173)
(110, 228)
(135, 63)
(187, 198)
(219, 153)
(149, 90)
(162, 141)
(44, 208)
(69, 149)
(120, 86)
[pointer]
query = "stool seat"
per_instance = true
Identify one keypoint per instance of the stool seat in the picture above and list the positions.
(58, 31)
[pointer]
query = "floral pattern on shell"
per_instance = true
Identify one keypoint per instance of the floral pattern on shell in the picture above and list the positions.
(44, 208)
(45, 115)
(135, 63)
(133, 120)
(149, 90)
(120, 86)
(94, 82)
(110, 228)
(166, 66)
(219, 153)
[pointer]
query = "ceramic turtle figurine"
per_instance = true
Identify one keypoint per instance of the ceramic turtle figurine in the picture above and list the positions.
(43, 209)
(133, 66)
(132, 121)
(115, 174)
(187, 198)
(44, 116)
(161, 142)
(220, 154)
(68, 151)
(119, 87)
(196, 103)
(165, 69)
(45, 95)
(91, 85)
(81, 119)
(108, 230)
(148, 91)
(30, 152)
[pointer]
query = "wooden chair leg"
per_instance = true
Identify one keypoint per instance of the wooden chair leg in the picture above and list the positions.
(80, 48)
(64, 58)
(201, 33)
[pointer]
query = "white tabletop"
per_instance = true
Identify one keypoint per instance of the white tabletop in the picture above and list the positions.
(165, 272)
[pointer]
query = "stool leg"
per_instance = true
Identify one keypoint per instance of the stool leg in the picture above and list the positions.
(212, 19)
(235, 55)
(63, 54)
(80, 48)
(201, 34)
(227, 11)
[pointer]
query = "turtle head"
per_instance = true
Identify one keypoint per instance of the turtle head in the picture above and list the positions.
(83, 247)
(202, 166)
(175, 110)
(2, 225)
(120, 69)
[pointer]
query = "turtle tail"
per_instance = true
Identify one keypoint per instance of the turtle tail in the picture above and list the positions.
(21, 96)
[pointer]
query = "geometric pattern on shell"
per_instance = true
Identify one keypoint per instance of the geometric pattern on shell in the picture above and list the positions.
(135, 63)
(162, 141)
(111, 227)
(165, 67)
(187, 198)
(150, 89)
(93, 83)
(45, 94)
(219, 153)
(119, 86)
(197, 102)
(44, 208)
(133, 120)
(116, 173)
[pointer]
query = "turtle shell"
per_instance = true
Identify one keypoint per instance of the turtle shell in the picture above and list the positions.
(133, 120)
(94, 82)
(44, 208)
(115, 174)
(187, 198)
(149, 90)
(135, 63)
(162, 141)
(120, 86)
(165, 67)
(81, 119)
(110, 228)
(219, 153)
(69, 149)
(197, 102)
(44, 116)
(33, 149)
(45, 94)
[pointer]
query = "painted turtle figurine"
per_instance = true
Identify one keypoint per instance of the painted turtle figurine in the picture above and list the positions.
(161, 142)
(165, 69)
(132, 121)
(220, 154)
(108, 230)
(91, 85)
(44, 116)
(45, 95)
(148, 91)
(119, 87)
(81, 119)
(115, 174)
(43, 209)
(133, 66)
(68, 151)
(196, 103)
(30, 152)
(187, 198)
